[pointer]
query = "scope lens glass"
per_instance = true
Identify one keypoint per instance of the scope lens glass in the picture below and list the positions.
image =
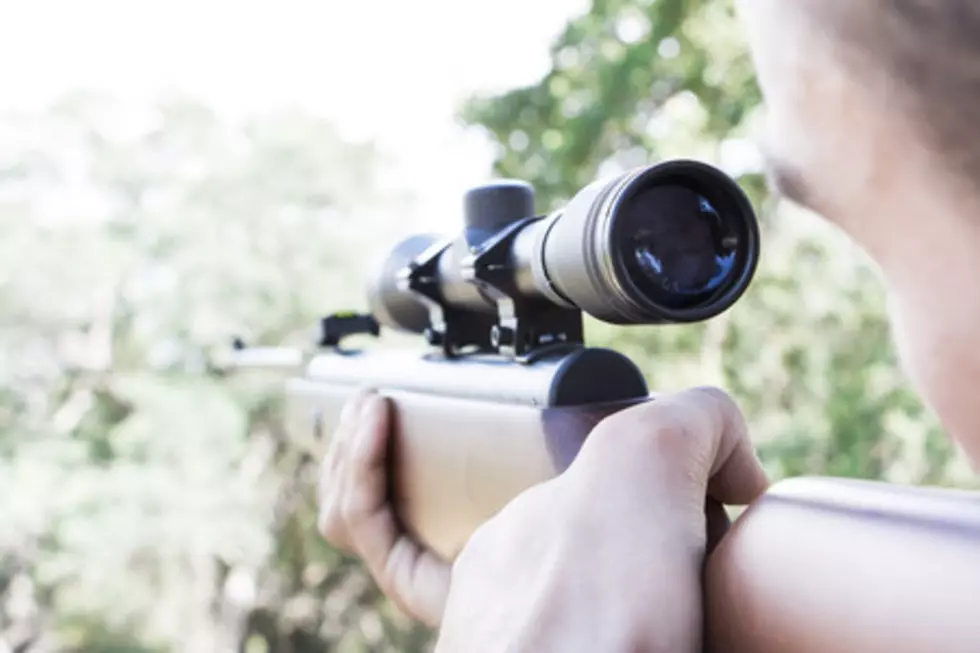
(677, 248)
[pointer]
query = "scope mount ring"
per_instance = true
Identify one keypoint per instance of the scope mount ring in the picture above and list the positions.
(527, 328)
(451, 329)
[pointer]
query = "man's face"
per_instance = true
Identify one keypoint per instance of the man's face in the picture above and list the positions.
(837, 144)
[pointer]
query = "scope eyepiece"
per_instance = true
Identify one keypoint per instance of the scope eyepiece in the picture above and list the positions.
(672, 242)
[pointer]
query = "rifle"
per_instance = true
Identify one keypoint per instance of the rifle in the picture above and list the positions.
(508, 392)
(508, 389)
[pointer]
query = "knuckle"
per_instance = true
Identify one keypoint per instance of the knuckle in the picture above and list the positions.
(491, 540)
(686, 424)
(328, 525)
(328, 488)
(352, 507)
(672, 433)
(668, 440)
(361, 459)
(349, 509)
(713, 392)
(326, 474)
(658, 423)
(730, 415)
(720, 398)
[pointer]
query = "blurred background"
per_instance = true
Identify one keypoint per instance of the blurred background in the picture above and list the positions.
(176, 173)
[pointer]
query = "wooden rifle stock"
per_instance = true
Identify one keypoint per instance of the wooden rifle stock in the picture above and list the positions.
(457, 462)
(823, 565)
(815, 566)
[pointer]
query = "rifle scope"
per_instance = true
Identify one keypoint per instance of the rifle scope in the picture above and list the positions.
(672, 242)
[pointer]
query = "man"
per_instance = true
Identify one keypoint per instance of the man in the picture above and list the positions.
(873, 122)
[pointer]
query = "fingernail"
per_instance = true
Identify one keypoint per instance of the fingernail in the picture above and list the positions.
(352, 409)
(369, 406)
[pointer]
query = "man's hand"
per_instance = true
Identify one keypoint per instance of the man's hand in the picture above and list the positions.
(608, 556)
(355, 514)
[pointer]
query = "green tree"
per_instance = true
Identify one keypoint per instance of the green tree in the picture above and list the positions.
(151, 503)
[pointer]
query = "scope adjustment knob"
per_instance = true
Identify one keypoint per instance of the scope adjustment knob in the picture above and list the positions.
(490, 207)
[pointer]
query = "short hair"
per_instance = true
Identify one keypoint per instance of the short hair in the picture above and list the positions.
(930, 49)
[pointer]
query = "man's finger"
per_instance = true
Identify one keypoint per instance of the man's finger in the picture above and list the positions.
(367, 457)
(696, 436)
(411, 575)
(346, 427)
(333, 481)
(419, 580)
(737, 476)
(366, 510)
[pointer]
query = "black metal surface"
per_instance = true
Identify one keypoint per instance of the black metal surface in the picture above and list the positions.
(491, 207)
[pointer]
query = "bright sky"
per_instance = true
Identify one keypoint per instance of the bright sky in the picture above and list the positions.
(390, 70)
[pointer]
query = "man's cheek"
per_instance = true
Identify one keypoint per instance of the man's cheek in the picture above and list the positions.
(902, 336)
(944, 370)
(917, 352)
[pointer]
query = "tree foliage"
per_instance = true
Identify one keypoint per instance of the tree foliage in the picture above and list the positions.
(150, 502)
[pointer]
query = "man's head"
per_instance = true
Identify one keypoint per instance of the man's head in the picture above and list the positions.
(873, 121)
